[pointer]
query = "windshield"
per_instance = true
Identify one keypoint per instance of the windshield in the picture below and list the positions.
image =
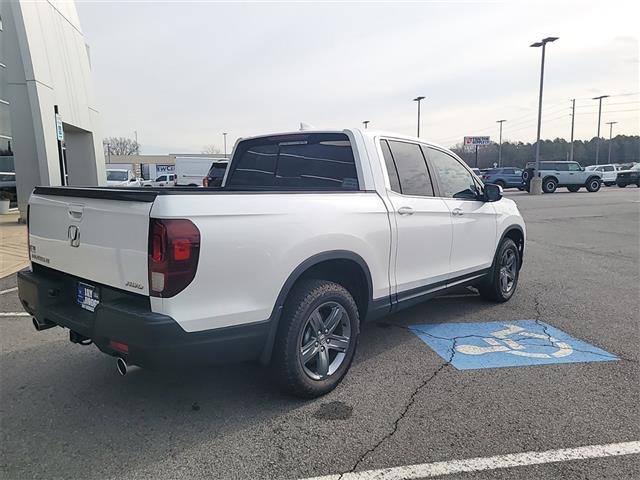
(117, 175)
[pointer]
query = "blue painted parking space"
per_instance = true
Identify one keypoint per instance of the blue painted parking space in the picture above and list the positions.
(506, 344)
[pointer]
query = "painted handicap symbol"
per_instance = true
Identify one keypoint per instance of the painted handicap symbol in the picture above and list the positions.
(500, 342)
(511, 343)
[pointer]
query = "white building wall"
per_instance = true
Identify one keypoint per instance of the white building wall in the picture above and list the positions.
(48, 64)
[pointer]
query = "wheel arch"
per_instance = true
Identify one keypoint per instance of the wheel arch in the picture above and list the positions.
(550, 177)
(334, 265)
(516, 233)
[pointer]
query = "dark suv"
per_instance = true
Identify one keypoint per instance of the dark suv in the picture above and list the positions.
(506, 177)
(215, 175)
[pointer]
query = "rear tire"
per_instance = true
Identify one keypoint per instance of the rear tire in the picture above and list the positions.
(549, 185)
(573, 188)
(593, 184)
(317, 338)
(502, 281)
(622, 185)
(500, 183)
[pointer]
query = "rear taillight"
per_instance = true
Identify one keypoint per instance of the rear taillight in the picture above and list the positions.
(174, 248)
(28, 237)
(205, 182)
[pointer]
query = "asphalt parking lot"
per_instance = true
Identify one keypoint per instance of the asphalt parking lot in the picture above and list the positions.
(65, 412)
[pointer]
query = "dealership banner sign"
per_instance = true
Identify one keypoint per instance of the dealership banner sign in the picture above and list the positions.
(475, 141)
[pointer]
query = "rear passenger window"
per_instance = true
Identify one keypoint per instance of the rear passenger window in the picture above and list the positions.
(313, 161)
(412, 169)
(508, 171)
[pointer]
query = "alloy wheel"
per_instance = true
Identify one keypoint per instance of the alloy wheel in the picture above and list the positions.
(326, 336)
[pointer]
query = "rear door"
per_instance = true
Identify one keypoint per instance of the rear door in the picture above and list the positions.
(102, 240)
(423, 222)
(473, 221)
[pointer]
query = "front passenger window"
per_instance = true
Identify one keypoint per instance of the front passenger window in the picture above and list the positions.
(455, 179)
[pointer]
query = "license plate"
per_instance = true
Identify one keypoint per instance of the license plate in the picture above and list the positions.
(87, 296)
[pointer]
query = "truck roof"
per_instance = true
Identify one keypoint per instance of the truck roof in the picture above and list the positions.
(368, 132)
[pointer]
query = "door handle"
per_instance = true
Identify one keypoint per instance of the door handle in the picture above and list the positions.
(457, 212)
(405, 211)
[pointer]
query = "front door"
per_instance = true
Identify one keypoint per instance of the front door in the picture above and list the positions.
(473, 220)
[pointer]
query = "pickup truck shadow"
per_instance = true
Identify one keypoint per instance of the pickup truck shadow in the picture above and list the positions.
(78, 418)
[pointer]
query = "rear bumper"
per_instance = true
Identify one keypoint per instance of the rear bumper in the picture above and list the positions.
(153, 340)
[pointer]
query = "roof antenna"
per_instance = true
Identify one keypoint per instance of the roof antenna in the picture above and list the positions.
(305, 126)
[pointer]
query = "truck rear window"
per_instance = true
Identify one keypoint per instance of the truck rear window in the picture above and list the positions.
(310, 161)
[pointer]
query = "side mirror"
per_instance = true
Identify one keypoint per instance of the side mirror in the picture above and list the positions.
(492, 192)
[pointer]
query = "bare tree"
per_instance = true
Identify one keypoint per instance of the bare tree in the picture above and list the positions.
(211, 149)
(120, 146)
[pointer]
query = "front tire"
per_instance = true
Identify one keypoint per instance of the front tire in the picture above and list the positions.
(593, 184)
(503, 278)
(317, 338)
(622, 185)
(549, 185)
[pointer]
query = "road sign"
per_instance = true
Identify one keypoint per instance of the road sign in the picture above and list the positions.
(506, 344)
(59, 129)
(475, 141)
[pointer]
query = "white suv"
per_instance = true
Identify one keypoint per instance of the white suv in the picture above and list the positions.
(609, 172)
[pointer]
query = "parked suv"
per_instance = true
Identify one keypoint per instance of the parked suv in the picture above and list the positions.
(563, 174)
(629, 177)
(506, 177)
(608, 172)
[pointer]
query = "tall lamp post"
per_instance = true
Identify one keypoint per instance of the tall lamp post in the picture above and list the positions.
(500, 144)
(599, 118)
(535, 187)
(611, 124)
(365, 123)
(573, 122)
(418, 99)
(224, 140)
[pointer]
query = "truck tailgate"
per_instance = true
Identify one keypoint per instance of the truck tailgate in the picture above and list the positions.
(102, 239)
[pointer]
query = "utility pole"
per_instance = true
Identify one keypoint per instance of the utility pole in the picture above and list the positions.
(535, 186)
(135, 133)
(365, 123)
(418, 99)
(108, 153)
(599, 118)
(611, 124)
(573, 121)
(224, 140)
(500, 145)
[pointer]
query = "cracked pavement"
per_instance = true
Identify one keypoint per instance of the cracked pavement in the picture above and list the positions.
(65, 413)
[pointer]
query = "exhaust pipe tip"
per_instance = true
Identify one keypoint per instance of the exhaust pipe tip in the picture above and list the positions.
(121, 365)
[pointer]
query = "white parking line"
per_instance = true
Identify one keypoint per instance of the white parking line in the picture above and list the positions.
(14, 314)
(8, 290)
(425, 470)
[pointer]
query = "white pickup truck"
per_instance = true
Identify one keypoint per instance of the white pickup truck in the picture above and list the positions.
(311, 234)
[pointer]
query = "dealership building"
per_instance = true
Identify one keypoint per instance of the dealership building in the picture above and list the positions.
(49, 123)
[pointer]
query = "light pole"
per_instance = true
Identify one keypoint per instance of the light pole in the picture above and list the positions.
(135, 133)
(500, 144)
(224, 140)
(418, 99)
(599, 117)
(108, 153)
(573, 121)
(365, 123)
(611, 124)
(535, 186)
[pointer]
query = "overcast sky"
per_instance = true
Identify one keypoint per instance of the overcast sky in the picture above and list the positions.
(183, 73)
